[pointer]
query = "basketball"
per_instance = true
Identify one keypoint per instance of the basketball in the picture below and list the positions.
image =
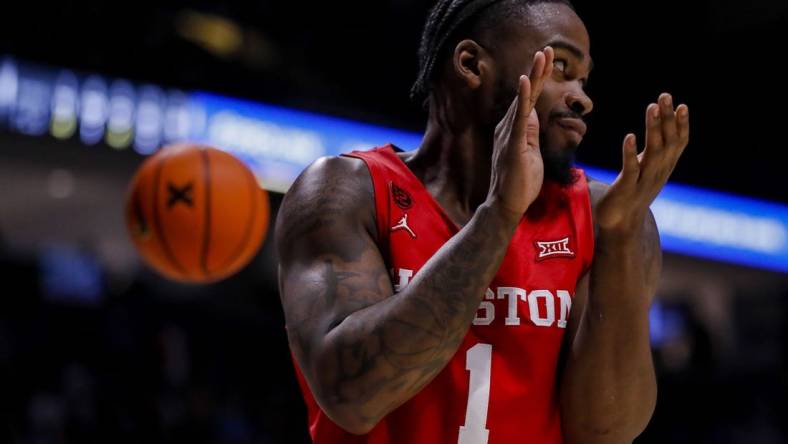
(196, 214)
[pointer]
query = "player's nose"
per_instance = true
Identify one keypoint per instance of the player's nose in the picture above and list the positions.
(579, 102)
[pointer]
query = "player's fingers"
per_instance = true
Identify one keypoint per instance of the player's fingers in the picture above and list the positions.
(653, 129)
(630, 171)
(668, 117)
(520, 123)
(538, 76)
(682, 113)
(532, 132)
(535, 79)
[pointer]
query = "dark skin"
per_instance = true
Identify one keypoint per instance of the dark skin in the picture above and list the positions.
(364, 350)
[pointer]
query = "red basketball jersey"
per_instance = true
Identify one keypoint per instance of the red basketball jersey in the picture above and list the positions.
(501, 386)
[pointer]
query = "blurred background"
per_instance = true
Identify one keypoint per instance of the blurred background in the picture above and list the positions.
(95, 347)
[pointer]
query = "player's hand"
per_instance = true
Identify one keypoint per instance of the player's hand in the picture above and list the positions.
(517, 166)
(625, 205)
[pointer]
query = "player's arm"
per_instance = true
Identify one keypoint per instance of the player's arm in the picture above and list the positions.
(363, 349)
(608, 387)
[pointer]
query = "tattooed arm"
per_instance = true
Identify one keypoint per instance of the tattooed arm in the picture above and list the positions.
(362, 349)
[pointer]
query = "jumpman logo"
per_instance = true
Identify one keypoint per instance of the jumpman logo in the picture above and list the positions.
(403, 225)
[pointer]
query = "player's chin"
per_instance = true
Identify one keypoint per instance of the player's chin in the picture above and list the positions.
(558, 153)
(560, 136)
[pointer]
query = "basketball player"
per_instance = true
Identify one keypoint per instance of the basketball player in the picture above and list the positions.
(481, 289)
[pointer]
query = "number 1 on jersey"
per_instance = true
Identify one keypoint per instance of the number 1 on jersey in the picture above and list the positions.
(478, 361)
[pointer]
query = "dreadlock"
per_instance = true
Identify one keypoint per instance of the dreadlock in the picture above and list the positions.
(450, 21)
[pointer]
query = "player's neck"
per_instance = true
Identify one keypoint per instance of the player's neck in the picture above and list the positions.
(453, 162)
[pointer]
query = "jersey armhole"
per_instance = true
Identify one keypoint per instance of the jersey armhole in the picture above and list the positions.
(380, 189)
(584, 209)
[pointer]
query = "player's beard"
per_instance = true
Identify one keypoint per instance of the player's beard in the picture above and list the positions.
(558, 160)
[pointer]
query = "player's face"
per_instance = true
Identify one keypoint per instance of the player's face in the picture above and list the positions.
(563, 102)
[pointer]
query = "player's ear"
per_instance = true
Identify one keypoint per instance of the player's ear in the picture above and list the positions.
(471, 63)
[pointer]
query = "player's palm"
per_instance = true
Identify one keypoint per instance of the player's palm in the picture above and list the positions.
(518, 169)
(644, 175)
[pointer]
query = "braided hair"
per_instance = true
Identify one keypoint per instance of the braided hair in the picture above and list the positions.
(450, 21)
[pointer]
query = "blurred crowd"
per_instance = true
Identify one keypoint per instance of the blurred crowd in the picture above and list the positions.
(155, 363)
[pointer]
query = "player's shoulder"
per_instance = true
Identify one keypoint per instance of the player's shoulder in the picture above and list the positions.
(332, 177)
(337, 185)
(596, 189)
(337, 166)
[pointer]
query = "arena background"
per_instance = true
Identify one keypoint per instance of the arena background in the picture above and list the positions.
(94, 347)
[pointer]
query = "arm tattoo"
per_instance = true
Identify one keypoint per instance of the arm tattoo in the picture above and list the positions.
(363, 348)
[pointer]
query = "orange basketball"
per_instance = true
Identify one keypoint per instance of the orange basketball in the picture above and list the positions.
(196, 214)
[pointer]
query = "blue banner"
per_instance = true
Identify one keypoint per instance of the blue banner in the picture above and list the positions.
(718, 226)
(278, 143)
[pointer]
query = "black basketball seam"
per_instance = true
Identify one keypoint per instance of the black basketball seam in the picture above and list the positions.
(206, 239)
(157, 220)
(137, 213)
(251, 220)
